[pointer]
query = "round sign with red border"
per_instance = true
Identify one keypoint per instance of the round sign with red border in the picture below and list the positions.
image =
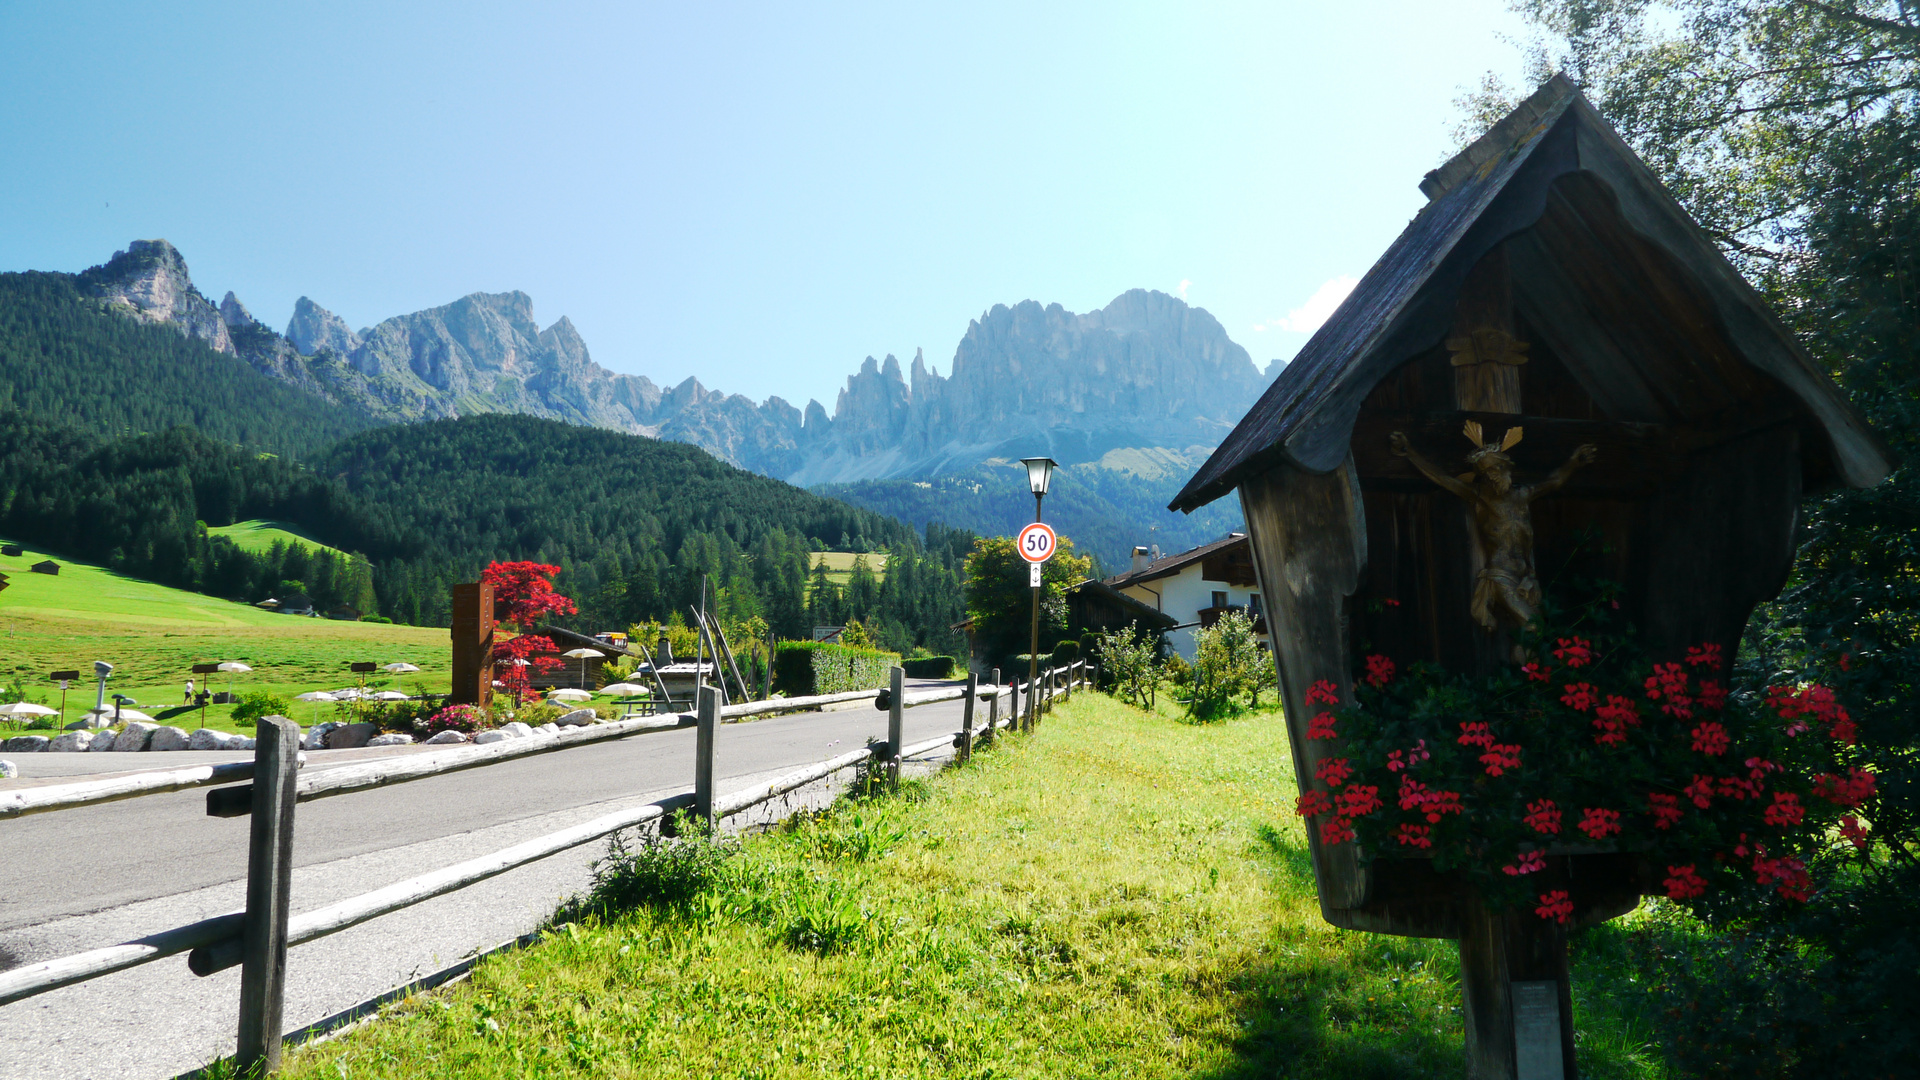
(1036, 542)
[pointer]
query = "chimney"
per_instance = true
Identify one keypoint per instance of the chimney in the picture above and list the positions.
(663, 653)
(1156, 551)
(1139, 559)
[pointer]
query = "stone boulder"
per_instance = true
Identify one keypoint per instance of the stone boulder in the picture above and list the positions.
(516, 730)
(103, 740)
(169, 738)
(351, 736)
(391, 738)
(493, 736)
(207, 738)
(447, 737)
(134, 737)
(79, 724)
(73, 742)
(245, 742)
(547, 729)
(577, 718)
(317, 738)
(26, 744)
(8, 770)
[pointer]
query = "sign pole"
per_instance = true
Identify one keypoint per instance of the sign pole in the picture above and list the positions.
(1035, 574)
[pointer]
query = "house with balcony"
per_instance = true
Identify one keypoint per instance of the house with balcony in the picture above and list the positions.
(1195, 588)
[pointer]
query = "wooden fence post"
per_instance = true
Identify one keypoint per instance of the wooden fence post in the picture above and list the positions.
(708, 729)
(263, 965)
(896, 723)
(993, 706)
(966, 717)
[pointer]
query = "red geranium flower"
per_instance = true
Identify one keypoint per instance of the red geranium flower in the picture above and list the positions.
(1323, 691)
(1556, 905)
(1543, 817)
(1851, 790)
(1700, 791)
(1527, 863)
(1706, 656)
(1787, 875)
(1669, 682)
(1579, 697)
(1536, 672)
(1683, 883)
(1321, 727)
(1333, 771)
(1857, 836)
(1358, 801)
(1335, 831)
(1574, 652)
(1664, 808)
(1599, 822)
(1712, 695)
(1786, 809)
(1312, 804)
(1475, 734)
(1500, 757)
(1415, 836)
(1710, 739)
(1379, 671)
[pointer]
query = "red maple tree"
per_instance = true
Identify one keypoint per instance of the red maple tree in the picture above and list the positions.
(523, 595)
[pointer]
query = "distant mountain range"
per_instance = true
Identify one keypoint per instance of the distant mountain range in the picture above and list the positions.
(1132, 396)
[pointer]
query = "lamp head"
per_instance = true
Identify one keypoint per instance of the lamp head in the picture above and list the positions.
(1039, 473)
(102, 668)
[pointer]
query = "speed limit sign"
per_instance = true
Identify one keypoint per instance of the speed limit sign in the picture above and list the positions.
(1037, 543)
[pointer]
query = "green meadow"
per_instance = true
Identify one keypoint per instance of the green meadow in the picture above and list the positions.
(1118, 894)
(153, 635)
(260, 535)
(839, 564)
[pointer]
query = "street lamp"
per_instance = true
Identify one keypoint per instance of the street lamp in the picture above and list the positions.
(1039, 475)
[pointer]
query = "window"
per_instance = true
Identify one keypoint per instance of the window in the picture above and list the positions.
(1253, 604)
(1219, 599)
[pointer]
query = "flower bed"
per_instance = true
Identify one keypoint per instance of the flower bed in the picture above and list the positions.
(1588, 747)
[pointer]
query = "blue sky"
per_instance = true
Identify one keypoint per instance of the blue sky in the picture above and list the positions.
(756, 194)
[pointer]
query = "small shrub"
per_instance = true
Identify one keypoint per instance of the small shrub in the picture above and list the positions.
(251, 707)
(1227, 661)
(1130, 661)
(43, 723)
(405, 717)
(381, 619)
(1065, 652)
(652, 872)
(463, 718)
(928, 667)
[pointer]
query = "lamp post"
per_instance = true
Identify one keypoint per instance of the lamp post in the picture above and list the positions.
(1039, 475)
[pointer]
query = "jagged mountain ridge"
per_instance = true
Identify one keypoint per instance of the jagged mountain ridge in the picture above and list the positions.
(1145, 372)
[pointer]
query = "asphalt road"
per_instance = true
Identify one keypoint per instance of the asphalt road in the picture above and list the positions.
(94, 876)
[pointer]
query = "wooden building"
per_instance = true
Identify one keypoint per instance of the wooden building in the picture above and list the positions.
(1551, 284)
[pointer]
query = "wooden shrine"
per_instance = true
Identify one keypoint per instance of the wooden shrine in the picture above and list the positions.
(1550, 286)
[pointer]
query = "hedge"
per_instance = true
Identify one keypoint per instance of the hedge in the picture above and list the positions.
(929, 667)
(804, 668)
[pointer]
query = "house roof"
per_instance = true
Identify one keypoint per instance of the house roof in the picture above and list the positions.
(1168, 565)
(1144, 613)
(1501, 186)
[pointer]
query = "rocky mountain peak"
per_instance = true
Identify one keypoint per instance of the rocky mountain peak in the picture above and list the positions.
(150, 281)
(234, 313)
(314, 328)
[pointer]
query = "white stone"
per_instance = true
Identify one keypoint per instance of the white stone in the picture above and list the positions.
(245, 742)
(496, 735)
(547, 729)
(516, 730)
(73, 742)
(577, 718)
(8, 770)
(168, 738)
(26, 744)
(207, 738)
(446, 737)
(134, 737)
(317, 738)
(391, 738)
(103, 740)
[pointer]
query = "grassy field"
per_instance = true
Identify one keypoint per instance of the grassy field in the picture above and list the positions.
(260, 535)
(839, 564)
(1120, 894)
(153, 635)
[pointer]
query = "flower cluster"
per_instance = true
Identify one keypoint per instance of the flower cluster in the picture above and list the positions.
(1584, 744)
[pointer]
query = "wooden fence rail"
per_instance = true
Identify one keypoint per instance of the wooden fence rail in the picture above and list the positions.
(259, 938)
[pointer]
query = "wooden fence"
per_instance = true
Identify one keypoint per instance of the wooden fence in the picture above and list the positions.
(271, 786)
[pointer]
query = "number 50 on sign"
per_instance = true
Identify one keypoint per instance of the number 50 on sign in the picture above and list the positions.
(1036, 545)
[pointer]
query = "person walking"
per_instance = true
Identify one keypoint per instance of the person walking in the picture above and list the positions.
(189, 690)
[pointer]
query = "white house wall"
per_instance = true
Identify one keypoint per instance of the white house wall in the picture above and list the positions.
(1182, 595)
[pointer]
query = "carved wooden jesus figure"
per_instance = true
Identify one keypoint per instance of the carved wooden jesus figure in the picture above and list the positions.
(1508, 590)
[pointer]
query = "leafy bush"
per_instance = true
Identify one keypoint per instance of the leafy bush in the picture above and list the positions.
(463, 718)
(929, 667)
(1227, 661)
(652, 872)
(381, 619)
(405, 717)
(1065, 652)
(1130, 661)
(43, 723)
(805, 668)
(253, 706)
